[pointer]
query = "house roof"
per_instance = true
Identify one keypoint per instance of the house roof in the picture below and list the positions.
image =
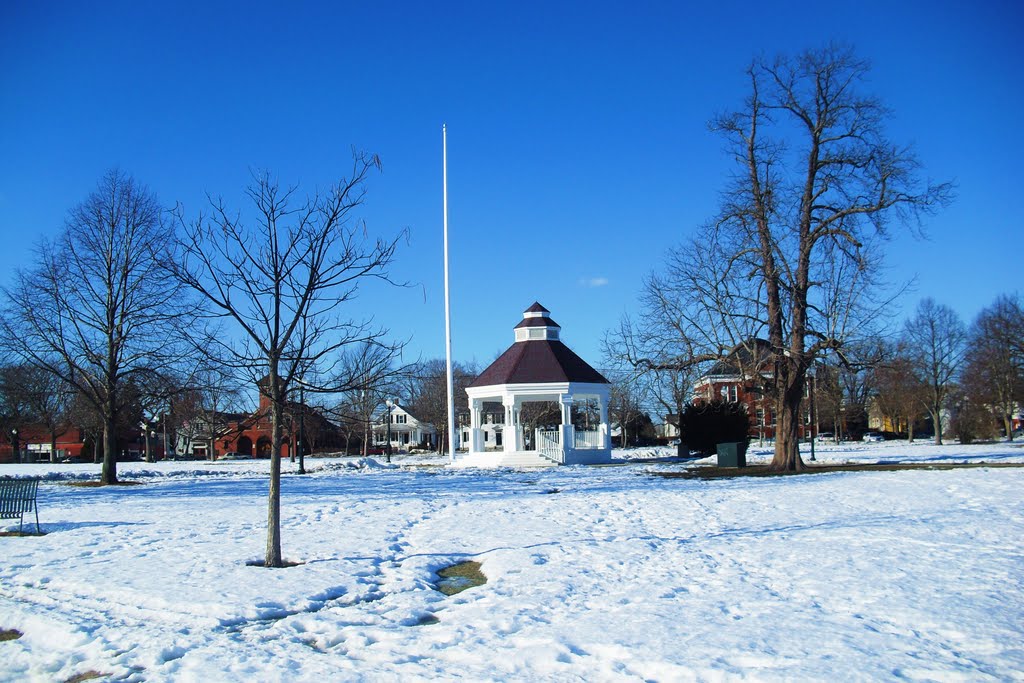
(538, 361)
(748, 356)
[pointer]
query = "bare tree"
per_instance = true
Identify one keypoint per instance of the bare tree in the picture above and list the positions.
(369, 374)
(428, 394)
(935, 339)
(668, 383)
(96, 310)
(44, 397)
(281, 283)
(626, 406)
(993, 373)
(899, 393)
(792, 255)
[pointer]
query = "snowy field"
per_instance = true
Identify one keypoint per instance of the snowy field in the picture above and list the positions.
(594, 574)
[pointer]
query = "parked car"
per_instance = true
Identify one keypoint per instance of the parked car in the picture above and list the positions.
(234, 456)
(872, 436)
(826, 436)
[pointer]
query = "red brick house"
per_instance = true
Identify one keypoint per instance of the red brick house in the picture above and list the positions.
(251, 433)
(743, 377)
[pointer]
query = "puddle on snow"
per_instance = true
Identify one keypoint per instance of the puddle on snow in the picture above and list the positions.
(459, 577)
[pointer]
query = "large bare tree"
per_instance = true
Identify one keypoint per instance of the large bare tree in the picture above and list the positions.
(279, 277)
(792, 255)
(95, 310)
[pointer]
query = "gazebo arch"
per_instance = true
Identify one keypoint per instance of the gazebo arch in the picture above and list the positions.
(539, 367)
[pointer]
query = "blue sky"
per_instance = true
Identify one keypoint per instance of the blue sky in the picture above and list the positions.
(578, 146)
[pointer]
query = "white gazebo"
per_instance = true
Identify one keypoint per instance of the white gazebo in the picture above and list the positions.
(539, 369)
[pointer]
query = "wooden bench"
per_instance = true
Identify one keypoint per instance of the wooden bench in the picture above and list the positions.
(18, 496)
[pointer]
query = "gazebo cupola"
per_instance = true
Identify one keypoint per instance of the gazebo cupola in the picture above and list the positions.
(536, 325)
(539, 368)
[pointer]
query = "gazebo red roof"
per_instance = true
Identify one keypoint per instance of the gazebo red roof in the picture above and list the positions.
(538, 361)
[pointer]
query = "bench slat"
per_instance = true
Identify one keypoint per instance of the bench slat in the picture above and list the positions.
(18, 496)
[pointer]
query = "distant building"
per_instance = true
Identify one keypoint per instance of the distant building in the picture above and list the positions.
(744, 376)
(251, 433)
(407, 431)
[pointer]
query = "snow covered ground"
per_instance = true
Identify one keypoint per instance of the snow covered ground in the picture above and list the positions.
(594, 574)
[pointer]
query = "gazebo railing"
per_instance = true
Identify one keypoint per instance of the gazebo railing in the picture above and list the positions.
(587, 439)
(548, 445)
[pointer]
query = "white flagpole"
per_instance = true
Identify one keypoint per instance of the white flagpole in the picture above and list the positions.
(447, 306)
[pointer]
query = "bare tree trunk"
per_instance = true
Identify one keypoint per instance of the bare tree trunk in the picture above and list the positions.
(273, 558)
(937, 424)
(787, 433)
(109, 472)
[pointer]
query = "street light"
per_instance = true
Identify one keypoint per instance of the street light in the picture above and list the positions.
(302, 426)
(145, 436)
(14, 445)
(387, 448)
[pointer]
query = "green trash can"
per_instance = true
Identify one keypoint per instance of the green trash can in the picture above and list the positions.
(732, 454)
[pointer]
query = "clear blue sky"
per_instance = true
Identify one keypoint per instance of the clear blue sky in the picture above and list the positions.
(578, 146)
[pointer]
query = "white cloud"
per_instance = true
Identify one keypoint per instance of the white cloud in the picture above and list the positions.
(594, 281)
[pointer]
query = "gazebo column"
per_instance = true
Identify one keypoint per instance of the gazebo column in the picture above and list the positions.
(510, 435)
(568, 433)
(604, 437)
(476, 435)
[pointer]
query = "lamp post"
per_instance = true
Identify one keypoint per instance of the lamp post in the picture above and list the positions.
(387, 448)
(145, 436)
(14, 445)
(302, 427)
(814, 415)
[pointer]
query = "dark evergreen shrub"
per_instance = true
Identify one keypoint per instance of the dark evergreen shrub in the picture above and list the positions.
(705, 425)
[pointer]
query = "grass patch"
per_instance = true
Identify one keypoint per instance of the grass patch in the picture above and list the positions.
(10, 634)
(460, 577)
(22, 533)
(765, 471)
(87, 676)
(427, 620)
(262, 563)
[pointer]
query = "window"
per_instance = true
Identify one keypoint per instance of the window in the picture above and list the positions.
(485, 437)
(536, 333)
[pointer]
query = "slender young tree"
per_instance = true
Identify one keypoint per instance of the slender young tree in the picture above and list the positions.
(280, 281)
(96, 310)
(791, 257)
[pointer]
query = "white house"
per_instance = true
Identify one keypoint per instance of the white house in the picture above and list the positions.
(406, 430)
(553, 405)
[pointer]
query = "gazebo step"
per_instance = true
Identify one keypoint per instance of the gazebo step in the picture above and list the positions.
(502, 459)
